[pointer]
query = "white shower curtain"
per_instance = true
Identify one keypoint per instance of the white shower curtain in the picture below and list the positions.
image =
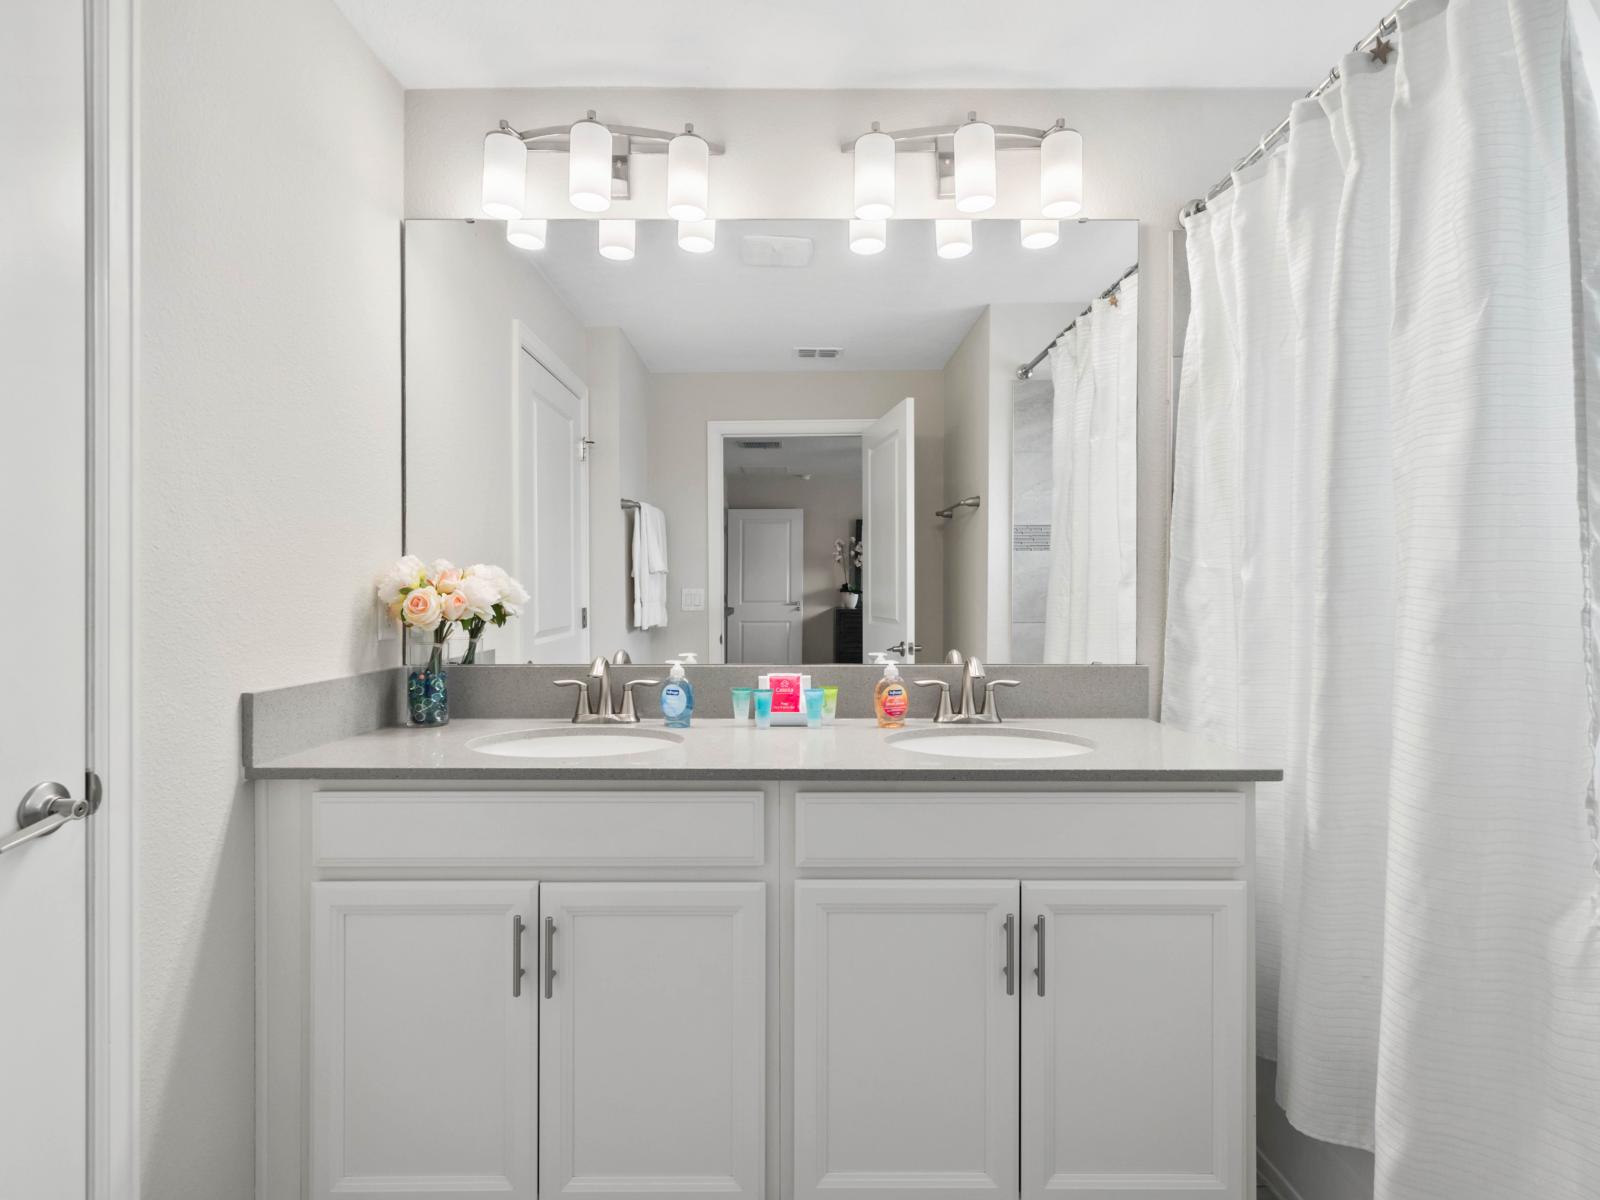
(1090, 596)
(1383, 562)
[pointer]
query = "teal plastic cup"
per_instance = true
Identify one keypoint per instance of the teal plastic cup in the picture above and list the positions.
(741, 705)
(814, 698)
(763, 697)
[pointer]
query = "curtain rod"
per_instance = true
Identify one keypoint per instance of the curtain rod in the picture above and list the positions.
(1385, 27)
(1025, 371)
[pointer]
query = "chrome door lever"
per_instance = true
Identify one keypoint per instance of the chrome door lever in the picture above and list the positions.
(45, 809)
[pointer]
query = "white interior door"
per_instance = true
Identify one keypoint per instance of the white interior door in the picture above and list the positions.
(1135, 1065)
(905, 1039)
(44, 882)
(552, 516)
(653, 1040)
(766, 583)
(888, 568)
(424, 1042)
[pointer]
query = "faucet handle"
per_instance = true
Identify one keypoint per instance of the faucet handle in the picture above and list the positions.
(628, 713)
(991, 707)
(583, 708)
(945, 713)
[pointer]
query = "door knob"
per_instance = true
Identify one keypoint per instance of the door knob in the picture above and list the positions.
(45, 809)
(904, 648)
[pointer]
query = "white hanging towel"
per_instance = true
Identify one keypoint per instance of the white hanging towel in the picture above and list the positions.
(649, 567)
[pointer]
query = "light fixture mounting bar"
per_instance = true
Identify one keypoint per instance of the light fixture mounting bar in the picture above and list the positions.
(626, 139)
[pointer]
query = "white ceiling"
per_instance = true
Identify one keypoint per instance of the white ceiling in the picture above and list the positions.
(805, 456)
(862, 43)
(903, 309)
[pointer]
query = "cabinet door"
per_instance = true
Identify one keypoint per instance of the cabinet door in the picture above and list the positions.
(1133, 1030)
(905, 1039)
(653, 1039)
(423, 1040)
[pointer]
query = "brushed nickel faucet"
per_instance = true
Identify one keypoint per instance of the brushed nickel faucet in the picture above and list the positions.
(978, 705)
(597, 709)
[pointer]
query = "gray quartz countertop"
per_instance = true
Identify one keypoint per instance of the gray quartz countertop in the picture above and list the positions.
(1124, 749)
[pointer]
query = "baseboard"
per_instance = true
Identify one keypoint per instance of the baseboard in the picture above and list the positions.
(1268, 1174)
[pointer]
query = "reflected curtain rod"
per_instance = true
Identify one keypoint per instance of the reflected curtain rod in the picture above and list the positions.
(1025, 371)
(1385, 27)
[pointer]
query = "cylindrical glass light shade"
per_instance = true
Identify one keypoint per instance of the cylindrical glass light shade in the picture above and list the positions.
(589, 166)
(869, 237)
(697, 237)
(1061, 173)
(874, 156)
(528, 234)
(688, 177)
(1040, 235)
(505, 175)
(953, 239)
(975, 167)
(616, 240)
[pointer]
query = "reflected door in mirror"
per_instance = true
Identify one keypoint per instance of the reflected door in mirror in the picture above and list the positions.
(765, 584)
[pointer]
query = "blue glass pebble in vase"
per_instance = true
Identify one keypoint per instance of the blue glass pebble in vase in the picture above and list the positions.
(427, 679)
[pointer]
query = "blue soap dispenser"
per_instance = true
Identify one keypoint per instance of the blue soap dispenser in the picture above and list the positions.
(677, 697)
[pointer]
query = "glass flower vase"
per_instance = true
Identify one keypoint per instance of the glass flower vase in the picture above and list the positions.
(427, 679)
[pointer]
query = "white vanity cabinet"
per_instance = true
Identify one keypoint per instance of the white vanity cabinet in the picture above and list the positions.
(772, 989)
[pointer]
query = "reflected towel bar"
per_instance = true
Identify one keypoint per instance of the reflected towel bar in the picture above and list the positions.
(627, 504)
(969, 502)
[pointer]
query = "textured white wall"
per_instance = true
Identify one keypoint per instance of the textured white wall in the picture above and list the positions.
(1146, 153)
(269, 201)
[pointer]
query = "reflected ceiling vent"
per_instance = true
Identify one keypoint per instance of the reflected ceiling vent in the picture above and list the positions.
(768, 250)
(817, 351)
(760, 445)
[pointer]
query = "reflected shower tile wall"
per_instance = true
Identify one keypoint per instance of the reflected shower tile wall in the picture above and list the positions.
(1031, 488)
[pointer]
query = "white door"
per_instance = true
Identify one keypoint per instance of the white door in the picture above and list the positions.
(888, 565)
(44, 882)
(424, 1040)
(552, 517)
(1135, 1065)
(905, 1039)
(766, 583)
(653, 1040)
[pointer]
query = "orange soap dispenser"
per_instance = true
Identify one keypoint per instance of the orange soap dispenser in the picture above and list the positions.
(890, 699)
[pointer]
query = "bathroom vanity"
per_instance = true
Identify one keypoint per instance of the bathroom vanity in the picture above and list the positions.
(781, 963)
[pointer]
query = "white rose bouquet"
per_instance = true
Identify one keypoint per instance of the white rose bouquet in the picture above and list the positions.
(491, 597)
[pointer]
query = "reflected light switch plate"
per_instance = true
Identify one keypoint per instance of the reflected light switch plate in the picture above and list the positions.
(694, 599)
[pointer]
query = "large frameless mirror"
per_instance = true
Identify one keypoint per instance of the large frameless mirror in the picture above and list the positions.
(787, 441)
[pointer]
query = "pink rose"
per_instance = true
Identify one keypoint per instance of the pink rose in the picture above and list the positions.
(447, 581)
(422, 609)
(455, 605)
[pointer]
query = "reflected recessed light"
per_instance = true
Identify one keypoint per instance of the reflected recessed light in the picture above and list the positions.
(616, 239)
(697, 237)
(1040, 235)
(526, 234)
(953, 239)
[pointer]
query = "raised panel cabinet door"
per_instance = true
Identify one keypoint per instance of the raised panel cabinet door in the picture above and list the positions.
(905, 1039)
(424, 1040)
(1134, 1061)
(653, 1040)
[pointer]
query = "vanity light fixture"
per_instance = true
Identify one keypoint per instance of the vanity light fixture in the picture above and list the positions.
(1040, 235)
(616, 239)
(1061, 172)
(869, 237)
(965, 159)
(688, 176)
(697, 237)
(598, 164)
(527, 233)
(874, 161)
(974, 154)
(505, 174)
(589, 165)
(953, 239)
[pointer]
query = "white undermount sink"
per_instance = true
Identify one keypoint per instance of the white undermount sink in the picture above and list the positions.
(990, 741)
(576, 742)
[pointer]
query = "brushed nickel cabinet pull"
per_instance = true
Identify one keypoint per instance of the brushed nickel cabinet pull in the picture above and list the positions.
(549, 957)
(1038, 931)
(1011, 954)
(516, 954)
